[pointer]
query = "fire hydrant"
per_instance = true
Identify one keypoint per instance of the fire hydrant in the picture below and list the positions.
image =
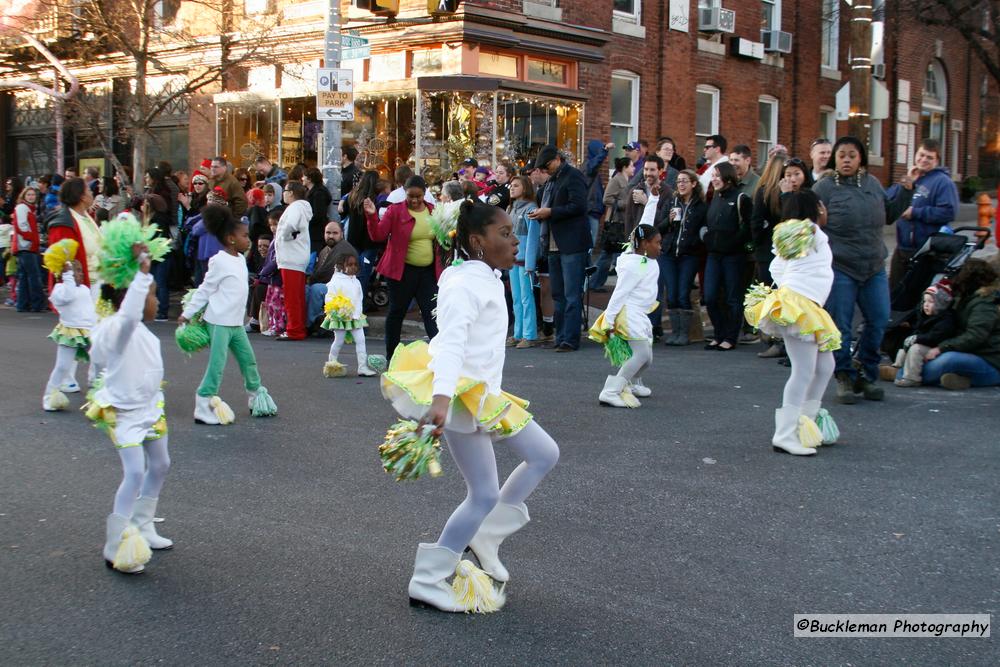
(986, 212)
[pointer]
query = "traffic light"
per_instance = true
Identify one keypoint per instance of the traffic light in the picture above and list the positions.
(383, 7)
(439, 7)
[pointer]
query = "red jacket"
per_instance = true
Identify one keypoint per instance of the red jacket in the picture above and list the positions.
(25, 230)
(396, 227)
(63, 226)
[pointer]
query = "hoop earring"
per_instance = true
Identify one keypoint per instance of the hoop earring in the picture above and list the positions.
(479, 254)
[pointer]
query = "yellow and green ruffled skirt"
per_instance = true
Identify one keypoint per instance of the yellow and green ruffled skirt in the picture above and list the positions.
(602, 329)
(409, 385)
(73, 337)
(333, 321)
(784, 312)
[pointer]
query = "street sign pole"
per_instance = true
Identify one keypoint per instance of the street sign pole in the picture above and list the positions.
(332, 129)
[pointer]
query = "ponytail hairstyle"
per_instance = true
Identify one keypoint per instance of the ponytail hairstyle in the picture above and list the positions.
(640, 234)
(474, 217)
(219, 221)
(621, 163)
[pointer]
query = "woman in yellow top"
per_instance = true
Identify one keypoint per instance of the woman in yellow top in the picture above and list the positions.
(411, 261)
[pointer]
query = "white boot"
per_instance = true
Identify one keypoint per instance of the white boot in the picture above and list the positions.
(612, 392)
(502, 522)
(827, 426)
(130, 560)
(639, 389)
(786, 432)
(142, 516)
(364, 370)
(212, 410)
(55, 401)
(471, 591)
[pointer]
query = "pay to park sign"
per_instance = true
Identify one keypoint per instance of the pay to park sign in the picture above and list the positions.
(335, 94)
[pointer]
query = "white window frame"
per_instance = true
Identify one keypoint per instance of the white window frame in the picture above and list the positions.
(828, 127)
(875, 139)
(704, 89)
(776, 15)
(633, 126)
(833, 37)
(634, 16)
(763, 147)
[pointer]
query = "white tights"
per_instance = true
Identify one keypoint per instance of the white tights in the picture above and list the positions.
(642, 357)
(811, 371)
(140, 478)
(64, 372)
(340, 337)
(473, 453)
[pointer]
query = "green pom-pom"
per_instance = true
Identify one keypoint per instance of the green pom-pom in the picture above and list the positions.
(377, 363)
(410, 451)
(118, 265)
(262, 404)
(794, 238)
(827, 427)
(757, 293)
(617, 350)
(192, 337)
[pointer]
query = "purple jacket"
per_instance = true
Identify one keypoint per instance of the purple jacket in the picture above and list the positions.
(208, 245)
(269, 274)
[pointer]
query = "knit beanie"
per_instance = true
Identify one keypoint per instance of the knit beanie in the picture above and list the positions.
(941, 293)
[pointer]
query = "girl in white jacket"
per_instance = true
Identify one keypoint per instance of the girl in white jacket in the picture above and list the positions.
(344, 313)
(627, 319)
(127, 404)
(77, 317)
(803, 272)
(455, 384)
(223, 296)
(291, 244)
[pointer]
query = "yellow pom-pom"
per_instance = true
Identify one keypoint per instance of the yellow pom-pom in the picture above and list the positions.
(58, 254)
(474, 589)
(133, 550)
(222, 410)
(809, 434)
(334, 369)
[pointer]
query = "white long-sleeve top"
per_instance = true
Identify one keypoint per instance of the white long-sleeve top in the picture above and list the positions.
(224, 290)
(127, 352)
(636, 291)
(291, 249)
(351, 287)
(74, 303)
(472, 328)
(812, 275)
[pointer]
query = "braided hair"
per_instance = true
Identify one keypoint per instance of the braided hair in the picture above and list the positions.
(640, 234)
(474, 217)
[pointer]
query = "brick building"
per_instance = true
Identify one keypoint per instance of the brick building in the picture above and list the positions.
(502, 77)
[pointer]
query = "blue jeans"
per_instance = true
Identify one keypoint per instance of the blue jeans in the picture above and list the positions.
(676, 277)
(872, 297)
(604, 262)
(981, 372)
(161, 274)
(315, 300)
(724, 272)
(366, 262)
(595, 223)
(566, 274)
(30, 291)
(523, 298)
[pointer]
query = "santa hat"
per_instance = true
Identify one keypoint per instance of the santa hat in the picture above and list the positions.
(217, 196)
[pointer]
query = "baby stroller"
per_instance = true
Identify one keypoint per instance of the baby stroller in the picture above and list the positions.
(942, 256)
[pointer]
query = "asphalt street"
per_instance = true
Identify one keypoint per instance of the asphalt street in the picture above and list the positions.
(671, 534)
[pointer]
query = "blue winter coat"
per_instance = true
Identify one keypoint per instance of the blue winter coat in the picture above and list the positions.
(596, 155)
(934, 199)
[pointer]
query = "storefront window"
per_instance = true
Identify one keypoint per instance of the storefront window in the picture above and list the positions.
(248, 129)
(546, 71)
(526, 124)
(496, 64)
(383, 131)
(299, 131)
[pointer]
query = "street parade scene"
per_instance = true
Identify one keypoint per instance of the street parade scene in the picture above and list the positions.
(389, 332)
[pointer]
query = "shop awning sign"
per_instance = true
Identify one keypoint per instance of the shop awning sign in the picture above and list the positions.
(334, 94)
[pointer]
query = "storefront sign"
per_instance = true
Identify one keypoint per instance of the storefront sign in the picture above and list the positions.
(680, 14)
(334, 94)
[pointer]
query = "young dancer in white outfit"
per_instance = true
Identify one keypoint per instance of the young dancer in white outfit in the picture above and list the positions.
(803, 272)
(127, 404)
(456, 385)
(627, 317)
(345, 314)
(77, 317)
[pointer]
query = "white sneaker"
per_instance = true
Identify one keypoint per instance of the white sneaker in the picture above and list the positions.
(70, 388)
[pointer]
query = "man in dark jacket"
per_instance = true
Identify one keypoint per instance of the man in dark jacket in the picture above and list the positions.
(564, 209)
(349, 172)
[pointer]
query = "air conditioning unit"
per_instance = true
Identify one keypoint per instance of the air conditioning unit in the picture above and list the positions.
(776, 40)
(878, 70)
(716, 19)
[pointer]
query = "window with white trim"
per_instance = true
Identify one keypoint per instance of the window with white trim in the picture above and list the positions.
(628, 9)
(770, 17)
(828, 123)
(624, 108)
(830, 33)
(875, 139)
(706, 114)
(767, 127)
